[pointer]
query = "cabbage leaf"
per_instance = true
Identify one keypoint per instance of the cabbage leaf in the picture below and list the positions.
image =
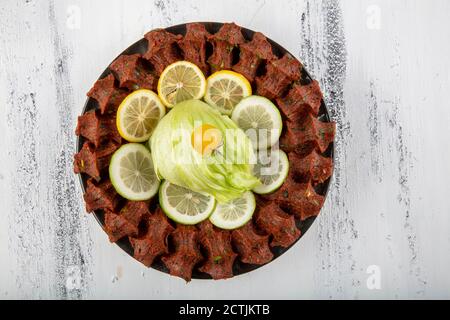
(225, 173)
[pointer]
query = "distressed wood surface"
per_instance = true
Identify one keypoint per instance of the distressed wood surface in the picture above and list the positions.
(384, 69)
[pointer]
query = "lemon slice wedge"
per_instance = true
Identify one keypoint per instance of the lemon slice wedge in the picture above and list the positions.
(183, 205)
(271, 169)
(138, 115)
(260, 119)
(225, 89)
(132, 174)
(180, 81)
(235, 213)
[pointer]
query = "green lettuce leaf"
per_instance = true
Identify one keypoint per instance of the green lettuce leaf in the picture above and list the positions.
(225, 173)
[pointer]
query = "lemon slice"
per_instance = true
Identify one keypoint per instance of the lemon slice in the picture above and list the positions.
(235, 213)
(138, 115)
(225, 89)
(271, 169)
(132, 174)
(180, 81)
(183, 205)
(260, 119)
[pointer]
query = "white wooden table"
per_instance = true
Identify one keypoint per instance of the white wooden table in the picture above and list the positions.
(384, 67)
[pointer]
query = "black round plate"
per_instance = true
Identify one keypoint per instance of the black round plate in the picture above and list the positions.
(239, 267)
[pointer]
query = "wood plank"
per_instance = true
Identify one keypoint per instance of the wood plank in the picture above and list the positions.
(385, 84)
